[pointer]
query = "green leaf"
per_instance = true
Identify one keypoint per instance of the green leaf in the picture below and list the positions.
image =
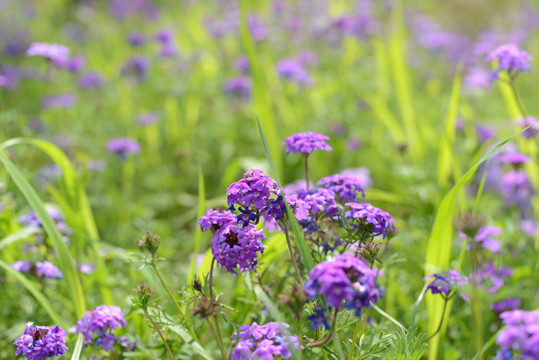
(63, 255)
(184, 334)
(17, 236)
(78, 348)
(36, 294)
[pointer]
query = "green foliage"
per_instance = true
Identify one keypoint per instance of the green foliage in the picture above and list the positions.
(407, 344)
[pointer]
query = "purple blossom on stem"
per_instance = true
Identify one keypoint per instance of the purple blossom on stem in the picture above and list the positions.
(47, 270)
(533, 123)
(510, 58)
(136, 66)
(484, 238)
(507, 304)
(516, 158)
(96, 326)
(445, 282)
(293, 70)
(73, 64)
(235, 247)
(345, 279)
(319, 200)
(52, 52)
(239, 87)
(489, 275)
(305, 143)
(135, 38)
(377, 221)
(216, 219)
(41, 342)
(254, 190)
(517, 188)
(32, 220)
(345, 186)
(123, 147)
(264, 342)
(22, 266)
(520, 335)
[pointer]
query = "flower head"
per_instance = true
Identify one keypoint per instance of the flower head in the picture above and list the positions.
(533, 123)
(293, 70)
(236, 247)
(53, 52)
(47, 270)
(371, 220)
(264, 342)
(345, 186)
(515, 158)
(445, 282)
(91, 80)
(305, 143)
(58, 101)
(507, 304)
(345, 279)
(41, 342)
(239, 87)
(123, 146)
(510, 58)
(96, 325)
(521, 334)
(254, 190)
(216, 219)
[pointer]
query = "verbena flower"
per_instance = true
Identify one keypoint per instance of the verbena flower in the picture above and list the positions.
(91, 80)
(345, 186)
(488, 275)
(515, 158)
(135, 38)
(239, 87)
(41, 342)
(517, 188)
(58, 101)
(264, 342)
(32, 220)
(254, 190)
(306, 142)
(148, 118)
(318, 318)
(47, 270)
(52, 52)
(345, 279)
(73, 64)
(510, 58)
(319, 200)
(136, 66)
(533, 123)
(23, 266)
(236, 247)
(123, 146)
(485, 238)
(293, 70)
(445, 282)
(507, 304)
(97, 325)
(371, 220)
(520, 337)
(216, 219)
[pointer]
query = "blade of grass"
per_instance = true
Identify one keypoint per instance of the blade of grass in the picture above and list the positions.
(438, 252)
(78, 348)
(63, 255)
(305, 255)
(19, 235)
(198, 233)
(38, 295)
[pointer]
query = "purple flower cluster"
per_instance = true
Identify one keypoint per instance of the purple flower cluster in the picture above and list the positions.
(52, 52)
(319, 200)
(345, 186)
(517, 188)
(264, 342)
(293, 70)
(520, 338)
(510, 58)
(306, 142)
(346, 278)
(91, 80)
(235, 247)
(58, 101)
(165, 38)
(372, 221)
(216, 219)
(123, 147)
(507, 304)
(254, 190)
(239, 87)
(515, 158)
(485, 238)
(445, 282)
(41, 342)
(96, 326)
(32, 220)
(491, 276)
(533, 123)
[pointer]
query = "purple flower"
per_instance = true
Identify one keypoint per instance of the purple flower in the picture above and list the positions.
(510, 58)
(445, 282)
(47, 270)
(484, 237)
(305, 143)
(319, 200)
(41, 342)
(264, 342)
(239, 87)
(58, 101)
(137, 66)
(91, 80)
(345, 186)
(32, 220)
(529, 227)
(73, 64)
(477, 77)
(485, 133)
(23, 266)
(533, 123)
(517, 188)
(507, 304)
(168, 50)
(490, 275)
(234, 246)
(293, 70)
(254, 190)
(123, 147)
(135, 39)
(164, 36)
(86, 268)
(258, 31)
(346, 278)
(520, 335)
(318, 318)
(97, 324)
(360, 173)
(216, 219)
(148, 118)
(514, 158)
(52, 52)
(371, 220)
(242, 64)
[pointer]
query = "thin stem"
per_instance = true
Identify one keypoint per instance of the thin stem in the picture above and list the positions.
(328, 336)
(446, 300)
(167, 288)
(211, 278)
(292, 256)
(307, 171)
(354, 338)
(160, 334)
(218, 339)
(517, 98)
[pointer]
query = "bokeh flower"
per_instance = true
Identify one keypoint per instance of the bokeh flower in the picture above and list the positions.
(520, 337)
(264, 342)
(97, 325)
(510, 58)
(345, 186)
(445, 282)
(305, 143)
(123, 146)
(54, 52)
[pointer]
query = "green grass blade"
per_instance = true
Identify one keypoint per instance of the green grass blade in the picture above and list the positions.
(184, 334)
(63, 255)
(78, 348)
(19, 235)
(305, 255)
(38, 295)
(438, 253)
(198, 233)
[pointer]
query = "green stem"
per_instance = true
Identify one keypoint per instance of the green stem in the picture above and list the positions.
(354, 338)
(217, 336)
(178, 308)
(160, 334)
(292, 256)
(307, 172)
(517, 98)
(446, 300)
